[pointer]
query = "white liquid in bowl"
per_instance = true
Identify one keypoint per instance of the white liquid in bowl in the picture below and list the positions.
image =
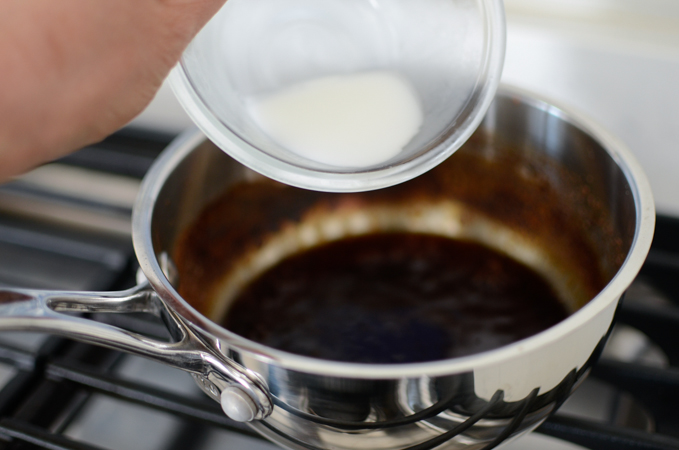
(355, 120)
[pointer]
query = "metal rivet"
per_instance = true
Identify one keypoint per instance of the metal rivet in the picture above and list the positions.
(238, 405)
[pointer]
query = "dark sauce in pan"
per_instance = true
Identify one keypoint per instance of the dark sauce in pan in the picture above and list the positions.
(394, 298)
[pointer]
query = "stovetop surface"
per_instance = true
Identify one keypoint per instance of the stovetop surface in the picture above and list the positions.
(56, 393)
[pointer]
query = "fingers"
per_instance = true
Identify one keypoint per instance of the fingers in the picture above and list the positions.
(197, 11)
(177, 22)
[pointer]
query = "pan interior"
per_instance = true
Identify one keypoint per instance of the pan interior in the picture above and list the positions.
(515, 200)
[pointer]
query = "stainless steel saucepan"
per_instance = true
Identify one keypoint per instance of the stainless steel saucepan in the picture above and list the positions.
(536, 182)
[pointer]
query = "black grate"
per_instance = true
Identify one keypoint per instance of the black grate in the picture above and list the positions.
(50, 386)
(655, 388)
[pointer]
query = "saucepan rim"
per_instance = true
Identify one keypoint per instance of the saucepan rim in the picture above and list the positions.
(643, 235)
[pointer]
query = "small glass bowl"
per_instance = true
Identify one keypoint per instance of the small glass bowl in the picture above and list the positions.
(451, 51)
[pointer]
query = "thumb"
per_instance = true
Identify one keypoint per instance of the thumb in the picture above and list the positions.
(189, 16)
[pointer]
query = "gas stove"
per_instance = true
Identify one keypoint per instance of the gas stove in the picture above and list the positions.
(67, 226)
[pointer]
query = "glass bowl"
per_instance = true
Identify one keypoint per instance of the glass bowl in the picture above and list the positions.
(448, 53)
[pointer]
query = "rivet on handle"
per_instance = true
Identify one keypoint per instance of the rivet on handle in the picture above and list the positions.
(237, 404)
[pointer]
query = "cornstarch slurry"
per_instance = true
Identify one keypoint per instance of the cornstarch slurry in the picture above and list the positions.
(354, 120)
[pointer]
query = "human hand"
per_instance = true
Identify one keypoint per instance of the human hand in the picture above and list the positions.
(74, 71)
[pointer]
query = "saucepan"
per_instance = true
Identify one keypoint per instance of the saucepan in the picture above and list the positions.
(536, 182)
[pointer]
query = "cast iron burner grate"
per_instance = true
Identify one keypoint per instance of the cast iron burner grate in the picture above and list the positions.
(47, 383)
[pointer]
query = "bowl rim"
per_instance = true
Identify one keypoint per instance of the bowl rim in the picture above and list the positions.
(611, 293)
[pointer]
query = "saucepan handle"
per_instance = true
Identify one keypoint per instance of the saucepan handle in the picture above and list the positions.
(243, 394)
